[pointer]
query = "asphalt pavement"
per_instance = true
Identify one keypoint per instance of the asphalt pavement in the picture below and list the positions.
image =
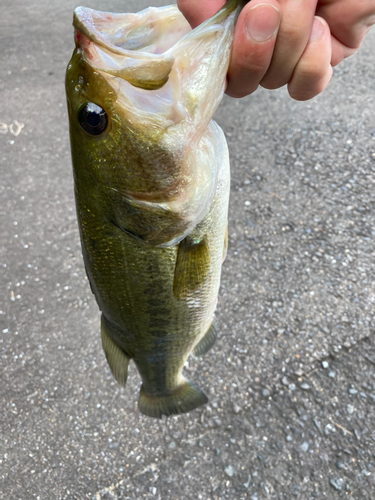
(291, 379)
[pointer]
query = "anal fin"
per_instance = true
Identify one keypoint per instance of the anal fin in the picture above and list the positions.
(207, 342)
(182, 400)
(192, 266)
(118, 361)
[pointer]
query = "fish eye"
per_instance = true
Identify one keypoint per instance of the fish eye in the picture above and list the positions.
(93, 119)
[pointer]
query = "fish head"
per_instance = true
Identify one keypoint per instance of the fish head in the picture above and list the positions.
(141, 91)
(115, 115)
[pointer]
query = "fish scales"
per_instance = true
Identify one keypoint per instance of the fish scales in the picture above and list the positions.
(151, 173)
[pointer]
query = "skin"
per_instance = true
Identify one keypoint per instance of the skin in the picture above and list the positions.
(293, 42)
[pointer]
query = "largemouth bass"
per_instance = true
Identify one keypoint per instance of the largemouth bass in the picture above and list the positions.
(151, 172)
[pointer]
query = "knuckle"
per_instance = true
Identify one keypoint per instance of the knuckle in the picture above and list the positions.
(300, 94)
(308, 85)
(240, 89)
(253, 67)
(291, 32)
(251, 63)
(273, 84)
(311, 71)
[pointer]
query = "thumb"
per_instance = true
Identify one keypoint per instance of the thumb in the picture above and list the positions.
(253, 45)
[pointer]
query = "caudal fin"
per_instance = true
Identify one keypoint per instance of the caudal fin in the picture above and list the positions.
(185, 398)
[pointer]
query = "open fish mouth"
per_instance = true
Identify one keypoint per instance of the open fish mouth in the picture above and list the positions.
(131, 46)
(140, 48)
(156, 50)
(153, 30)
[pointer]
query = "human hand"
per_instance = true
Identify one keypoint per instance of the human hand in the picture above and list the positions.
(349, 22)
(283, 42)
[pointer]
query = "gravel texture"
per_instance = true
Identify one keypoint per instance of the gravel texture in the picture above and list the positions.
(291, 379)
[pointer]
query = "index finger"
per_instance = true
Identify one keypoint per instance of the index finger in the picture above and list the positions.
(197, 11)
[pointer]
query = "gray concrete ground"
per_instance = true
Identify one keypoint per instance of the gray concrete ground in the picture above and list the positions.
(291, 379)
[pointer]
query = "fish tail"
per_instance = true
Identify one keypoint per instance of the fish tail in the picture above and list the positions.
(118, 361)
(184, 399)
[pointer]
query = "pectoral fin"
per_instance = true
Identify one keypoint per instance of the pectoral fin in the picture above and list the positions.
(118, 361)
(192, 266)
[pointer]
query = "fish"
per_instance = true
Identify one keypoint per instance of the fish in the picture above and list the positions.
(151, 181)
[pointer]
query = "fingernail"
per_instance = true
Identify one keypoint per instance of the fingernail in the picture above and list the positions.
(262, 21)
(318, 29)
